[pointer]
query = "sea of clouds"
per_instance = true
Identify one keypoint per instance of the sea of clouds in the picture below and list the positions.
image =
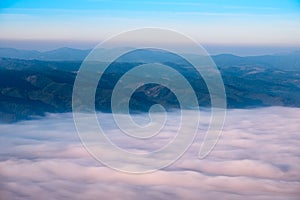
(257, 157)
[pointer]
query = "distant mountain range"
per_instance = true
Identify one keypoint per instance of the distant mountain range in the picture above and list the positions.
(54, 55)
(33, 83)
(282, 61)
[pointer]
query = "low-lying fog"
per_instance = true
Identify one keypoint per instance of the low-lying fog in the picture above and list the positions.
(257, 157)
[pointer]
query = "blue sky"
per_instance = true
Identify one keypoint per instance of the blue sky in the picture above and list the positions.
(219, 22)
(222, 6)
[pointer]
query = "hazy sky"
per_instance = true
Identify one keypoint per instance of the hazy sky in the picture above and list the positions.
(217, 22)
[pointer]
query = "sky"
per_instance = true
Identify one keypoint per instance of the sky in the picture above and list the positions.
(255, 159)
(84, 23)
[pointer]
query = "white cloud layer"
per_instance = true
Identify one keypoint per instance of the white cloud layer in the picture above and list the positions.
(257, 157)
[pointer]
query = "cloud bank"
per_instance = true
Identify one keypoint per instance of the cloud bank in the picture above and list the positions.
(257, 157)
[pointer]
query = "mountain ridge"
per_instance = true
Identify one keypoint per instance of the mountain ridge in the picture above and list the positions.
(44, 55)
(35, 87)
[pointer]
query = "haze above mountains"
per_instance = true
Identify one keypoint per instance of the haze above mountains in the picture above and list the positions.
(279, 60)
